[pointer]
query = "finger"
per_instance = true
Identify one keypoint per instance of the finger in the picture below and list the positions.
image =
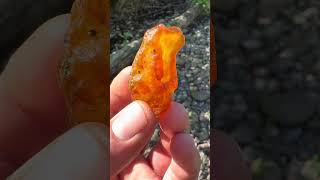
(131, 130)
(32, 111)
(138, 169)
(78, 154)
(228, 162)
(185, 164)
(119, 91)
(160, 153)
(174, 120)
(165, 143)
(159, 159)
(30, 78)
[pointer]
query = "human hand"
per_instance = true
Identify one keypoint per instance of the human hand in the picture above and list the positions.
(132, 125)
(33, 115)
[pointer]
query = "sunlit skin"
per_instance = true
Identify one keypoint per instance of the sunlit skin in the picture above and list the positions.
(154, 76)
(83, 70)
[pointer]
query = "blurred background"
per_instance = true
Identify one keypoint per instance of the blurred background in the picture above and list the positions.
(268, 92)
(129, 21)
(19, 18)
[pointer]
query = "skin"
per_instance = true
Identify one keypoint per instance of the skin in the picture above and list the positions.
(34, 127)
(168, 160)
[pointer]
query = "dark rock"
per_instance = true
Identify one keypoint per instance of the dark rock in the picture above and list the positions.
(293, 172)
(255, 120)
(271, 7)
(287, 54)
(291, 135)
(252, 44)
(314, 123)
(281, 67)
(250, 154)
(261, 72)
(240, 104)
(225, 5)
(275, 30)
(200, 95)
(181, 61)
(260, 84)
(316, 67)
(288, 109)
(266, 170)
(248, 13)
(270, 130)
(229, 37)
(273, 85)
(225, 117)
(310, 169)
(258, 58)
(244, 134)
(218, 116)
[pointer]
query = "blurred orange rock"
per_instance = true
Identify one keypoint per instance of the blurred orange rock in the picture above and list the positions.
(83, 70)
(154, 76)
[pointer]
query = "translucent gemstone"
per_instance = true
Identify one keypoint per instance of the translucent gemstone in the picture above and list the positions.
(154, 76)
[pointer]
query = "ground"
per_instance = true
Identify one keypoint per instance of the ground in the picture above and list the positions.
(267, 95)
(193, 66)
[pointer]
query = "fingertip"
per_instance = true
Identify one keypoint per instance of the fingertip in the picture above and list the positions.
(127, 70)
(185, 153)
(185, 162)
(174, 120)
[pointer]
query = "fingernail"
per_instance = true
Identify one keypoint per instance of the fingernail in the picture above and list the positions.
(130, 121)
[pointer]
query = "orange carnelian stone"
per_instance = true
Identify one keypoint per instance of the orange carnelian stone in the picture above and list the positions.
(83, 70)
(154, 76)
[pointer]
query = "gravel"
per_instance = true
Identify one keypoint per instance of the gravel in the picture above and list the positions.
(288, 109)
(194, 88)
(268, 64)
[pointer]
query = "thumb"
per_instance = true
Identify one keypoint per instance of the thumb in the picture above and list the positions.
(131, 130)
(78, 154)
